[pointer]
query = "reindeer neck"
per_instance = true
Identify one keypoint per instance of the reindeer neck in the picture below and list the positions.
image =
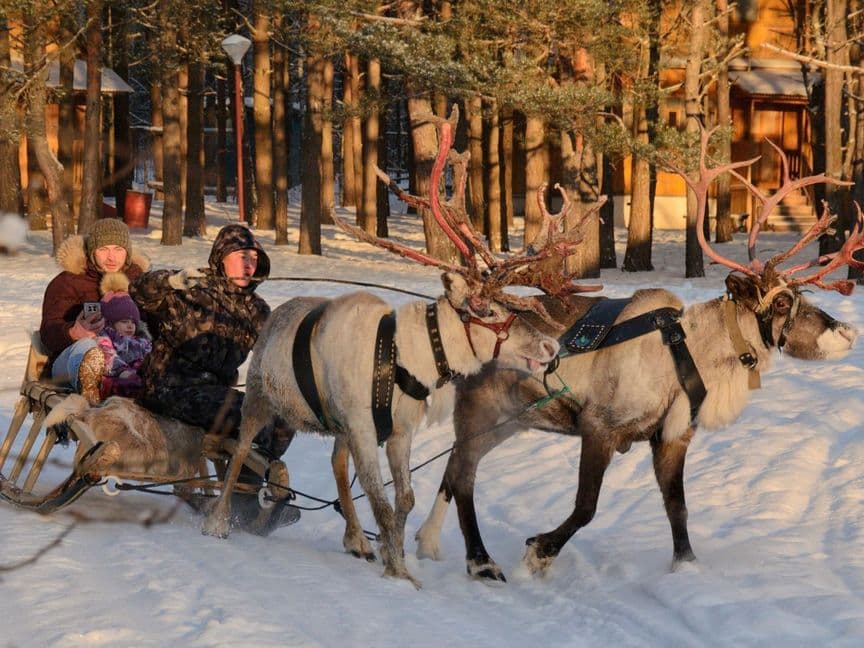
(709, 337)
(414, 350)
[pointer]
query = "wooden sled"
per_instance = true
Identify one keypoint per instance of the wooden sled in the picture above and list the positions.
(260, 508)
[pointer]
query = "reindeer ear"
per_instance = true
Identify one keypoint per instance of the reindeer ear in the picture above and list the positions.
(456, 289)
(742, 288)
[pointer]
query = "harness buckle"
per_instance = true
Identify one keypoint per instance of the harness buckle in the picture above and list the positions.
(748, 360)
(445, 378)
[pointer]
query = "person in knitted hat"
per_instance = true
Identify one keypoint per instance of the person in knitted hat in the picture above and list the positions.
(69, 333)
(124, 342)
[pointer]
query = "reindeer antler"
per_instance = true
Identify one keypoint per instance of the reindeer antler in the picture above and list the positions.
(766, 272)
(541, 266)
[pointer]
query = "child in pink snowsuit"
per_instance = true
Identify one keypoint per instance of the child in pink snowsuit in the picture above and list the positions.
(124, 341)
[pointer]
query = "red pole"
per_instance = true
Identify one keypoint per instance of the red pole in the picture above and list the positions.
(238, 131)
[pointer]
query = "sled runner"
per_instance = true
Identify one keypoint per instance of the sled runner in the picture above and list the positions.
(121, 446)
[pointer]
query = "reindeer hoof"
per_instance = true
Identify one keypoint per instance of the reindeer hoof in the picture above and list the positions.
(536, 563)
(425, 549)
(217, 526)
(367, 556)
(486, 570)
(403, 573)
(683, 561)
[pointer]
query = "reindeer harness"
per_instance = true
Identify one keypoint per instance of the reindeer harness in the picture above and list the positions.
(385, 371)
(596, 330)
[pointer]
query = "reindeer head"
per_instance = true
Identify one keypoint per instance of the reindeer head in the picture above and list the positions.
(786, 320)
(476, 290)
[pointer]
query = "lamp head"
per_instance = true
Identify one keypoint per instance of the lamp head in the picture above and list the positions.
(235, 47)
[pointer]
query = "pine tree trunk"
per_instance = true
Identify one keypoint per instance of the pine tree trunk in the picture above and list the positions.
(91, 190)
(579, 166)
(608, 257)
(349, 198)
(310, 157)
(183, 80)
(366, 216)
(123, 165)
(693, 109)
(263, 218)
(382, 193)
(66, 126)
(281, 82)
(328, 179)
(494, 216)
(156, 120)
(637, 257)
(535, 174)
(506, 176)
(474, 108)
(836, 53)
(357, 128)
(10, 169)
(50, 167)
(172, 211)
(724, 223)
(194, 223)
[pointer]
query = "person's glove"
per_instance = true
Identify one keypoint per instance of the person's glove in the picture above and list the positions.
(185, 279)
(86, 326)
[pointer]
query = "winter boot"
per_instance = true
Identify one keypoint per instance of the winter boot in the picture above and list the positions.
(90, 375)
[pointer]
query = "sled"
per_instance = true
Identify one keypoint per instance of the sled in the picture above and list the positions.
(259, 508)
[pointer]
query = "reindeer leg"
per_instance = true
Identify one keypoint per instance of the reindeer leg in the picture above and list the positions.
(354, 540)
(398, 456)
(669, 470)
(364, 452)
(543, 548)
(428, 536)
(256, 414)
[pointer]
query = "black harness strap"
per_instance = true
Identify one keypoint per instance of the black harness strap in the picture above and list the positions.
(667, 321)
(385, 373)
(301, 357)
(594, 327)
(445, 373)
(594, 331)
(383, 370)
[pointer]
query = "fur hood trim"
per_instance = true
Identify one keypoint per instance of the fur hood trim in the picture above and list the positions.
(72, 257)
(143, 331)
(114, 282)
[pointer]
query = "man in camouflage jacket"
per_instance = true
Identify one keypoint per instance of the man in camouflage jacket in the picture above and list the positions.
(204, 324)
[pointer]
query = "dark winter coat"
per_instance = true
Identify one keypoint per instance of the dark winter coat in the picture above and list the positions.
(66, 293)
(201, 336)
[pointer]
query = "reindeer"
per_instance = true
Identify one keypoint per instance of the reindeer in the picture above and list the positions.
(317, 361)
(636, 390)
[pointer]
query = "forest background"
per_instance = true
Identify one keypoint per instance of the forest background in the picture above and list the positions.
(547, 92)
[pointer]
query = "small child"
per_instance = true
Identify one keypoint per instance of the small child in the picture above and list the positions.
(124, 341)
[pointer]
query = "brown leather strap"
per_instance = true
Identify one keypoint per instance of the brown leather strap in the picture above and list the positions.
(745, 356)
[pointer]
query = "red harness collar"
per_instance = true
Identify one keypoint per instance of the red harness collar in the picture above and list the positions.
(500, 329)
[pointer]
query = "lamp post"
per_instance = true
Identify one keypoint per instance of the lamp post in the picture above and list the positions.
(235, 47)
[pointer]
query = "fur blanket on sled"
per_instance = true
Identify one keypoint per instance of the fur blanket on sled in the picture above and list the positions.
(148, 443)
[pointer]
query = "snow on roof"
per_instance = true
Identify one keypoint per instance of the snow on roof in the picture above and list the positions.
(112, 83)
(769, 82)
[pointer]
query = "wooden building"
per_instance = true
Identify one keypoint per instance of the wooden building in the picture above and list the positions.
(769, 100)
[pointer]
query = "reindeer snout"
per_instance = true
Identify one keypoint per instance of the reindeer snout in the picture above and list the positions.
(550, 348)
(848, 332)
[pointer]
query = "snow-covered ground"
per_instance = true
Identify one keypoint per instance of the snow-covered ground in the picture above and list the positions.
(776, 506)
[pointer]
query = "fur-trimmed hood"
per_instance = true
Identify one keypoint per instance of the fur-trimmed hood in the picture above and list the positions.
(72, 256)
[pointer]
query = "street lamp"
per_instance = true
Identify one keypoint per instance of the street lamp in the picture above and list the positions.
(235, 47)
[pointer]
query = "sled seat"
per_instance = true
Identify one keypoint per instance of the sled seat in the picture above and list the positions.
(38, 396)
